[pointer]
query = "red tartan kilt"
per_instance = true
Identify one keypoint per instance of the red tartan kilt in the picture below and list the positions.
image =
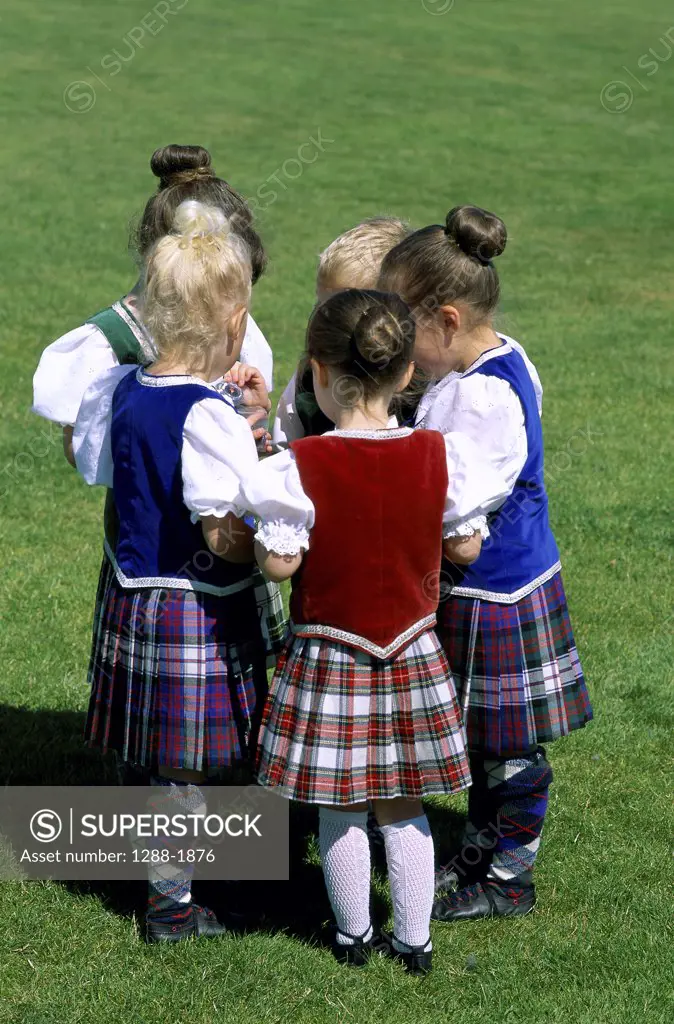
(341, 726)
(518, 676)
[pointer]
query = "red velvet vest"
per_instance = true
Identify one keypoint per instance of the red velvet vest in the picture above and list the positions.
(369, 578)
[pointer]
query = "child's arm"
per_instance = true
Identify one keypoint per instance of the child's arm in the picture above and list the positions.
(275, 494)
(229, 537)
(462, 550)
(277, 567)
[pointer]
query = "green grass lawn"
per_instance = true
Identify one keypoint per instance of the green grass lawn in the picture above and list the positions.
(496, 102)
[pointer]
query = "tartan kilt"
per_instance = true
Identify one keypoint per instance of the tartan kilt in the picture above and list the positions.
(517, 671)
(341, 726)
(272, 616)
(105, 577)
(178, 677)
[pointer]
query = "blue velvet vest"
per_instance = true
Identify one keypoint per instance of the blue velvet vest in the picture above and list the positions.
(158, 545)
(521, 552)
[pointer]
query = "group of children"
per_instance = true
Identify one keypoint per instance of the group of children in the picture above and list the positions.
(428, 642)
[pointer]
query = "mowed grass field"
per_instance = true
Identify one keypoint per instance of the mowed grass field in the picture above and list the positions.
(549, 113)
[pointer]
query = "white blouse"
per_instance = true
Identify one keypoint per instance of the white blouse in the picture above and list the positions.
(287, 424)
(69, 365)
(218, 450)
(275, 493)
(486, 409)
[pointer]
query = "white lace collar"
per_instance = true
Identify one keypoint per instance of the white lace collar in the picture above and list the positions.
(384, 434)
(171, 380)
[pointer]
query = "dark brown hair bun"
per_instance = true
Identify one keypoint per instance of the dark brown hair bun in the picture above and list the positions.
(186, 172)
(175, 164)
(380, 335)
(477, 232)
(366, 336)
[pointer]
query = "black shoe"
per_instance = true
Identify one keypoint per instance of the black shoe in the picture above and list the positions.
(200, 923)
(446, 879)
(418, 961)
(358, 954)
(485, 899)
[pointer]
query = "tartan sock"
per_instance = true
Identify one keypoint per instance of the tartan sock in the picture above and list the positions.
(169, 894)
(345, 855)
(411, 871)
(519, 787)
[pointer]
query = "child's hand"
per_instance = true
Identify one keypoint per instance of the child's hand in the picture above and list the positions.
(251, 382)
(463, 550)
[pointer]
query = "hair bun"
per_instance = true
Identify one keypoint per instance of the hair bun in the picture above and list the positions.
(380, 334)
(193, 218)
(478, 233)
(177, 164)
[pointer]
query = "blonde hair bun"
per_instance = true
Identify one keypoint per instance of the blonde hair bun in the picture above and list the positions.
(193, 218)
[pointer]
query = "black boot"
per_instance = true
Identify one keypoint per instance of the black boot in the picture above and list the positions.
(418, 961)
(358, 954)
(486, 899)
(199, 922)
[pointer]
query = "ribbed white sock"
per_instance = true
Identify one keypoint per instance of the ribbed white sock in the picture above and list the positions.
(345, 854)
(411, 872)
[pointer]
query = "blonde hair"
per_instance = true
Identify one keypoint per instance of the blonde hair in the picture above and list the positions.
(354, 259)
(195, 277)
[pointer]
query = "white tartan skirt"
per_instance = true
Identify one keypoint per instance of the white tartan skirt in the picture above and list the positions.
(341, 727)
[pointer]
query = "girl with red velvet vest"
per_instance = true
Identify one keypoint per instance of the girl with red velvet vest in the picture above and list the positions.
(505, 628)
(362, 708)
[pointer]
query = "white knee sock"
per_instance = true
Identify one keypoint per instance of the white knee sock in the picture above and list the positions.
(411, 872)
(345, 854)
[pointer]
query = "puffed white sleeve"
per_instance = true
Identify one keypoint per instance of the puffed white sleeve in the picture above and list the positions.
(218, 454)
(66, 369)
(91, 436)
(287, 424)
(489, 412)
(275, 494)
(475, 488)
(256, 351)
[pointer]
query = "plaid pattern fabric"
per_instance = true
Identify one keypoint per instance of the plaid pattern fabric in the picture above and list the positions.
(340, 726)
(273, 619)
(178, 677)
(105, 576)
(516, 667)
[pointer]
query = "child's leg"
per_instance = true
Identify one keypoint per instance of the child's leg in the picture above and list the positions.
(519, 789)
(169, 898)
(410, 859)
(345, 855)
(517, 797)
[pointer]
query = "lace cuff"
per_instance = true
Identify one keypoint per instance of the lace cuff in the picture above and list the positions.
(219, 512)
(283, 538)
(478, 524)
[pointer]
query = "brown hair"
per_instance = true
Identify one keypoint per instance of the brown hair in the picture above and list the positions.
(186, 172)
(355, 257)
(438, 266)
(367, 336)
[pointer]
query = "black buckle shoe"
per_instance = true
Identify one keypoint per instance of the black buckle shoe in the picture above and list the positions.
(199, 923)
(485, 899)
(418, 961)
(358, 954)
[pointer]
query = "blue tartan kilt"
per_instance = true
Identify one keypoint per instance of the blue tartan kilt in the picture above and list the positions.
(178, 677)
(517, 672)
